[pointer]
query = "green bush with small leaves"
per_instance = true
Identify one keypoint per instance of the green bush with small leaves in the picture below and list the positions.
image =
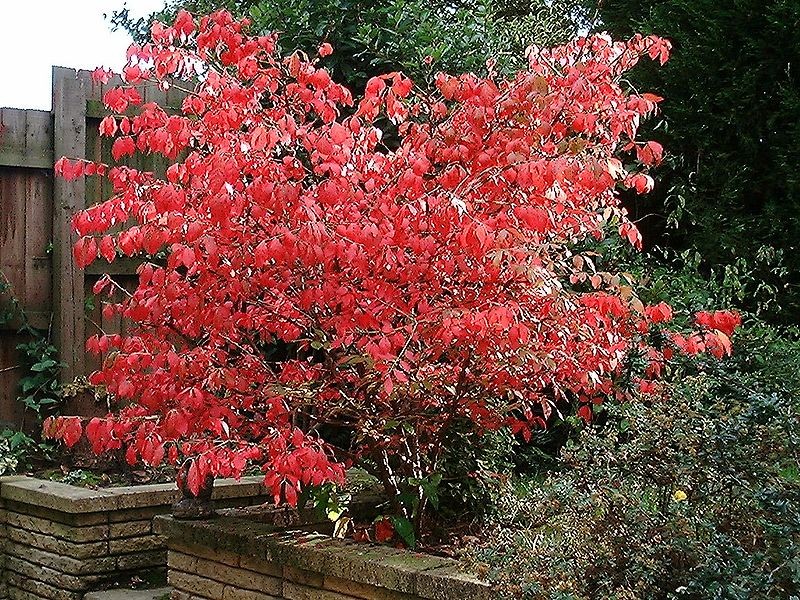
(697, 496)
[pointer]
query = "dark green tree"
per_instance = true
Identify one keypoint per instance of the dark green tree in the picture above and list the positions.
(378, 36)
(731, 122)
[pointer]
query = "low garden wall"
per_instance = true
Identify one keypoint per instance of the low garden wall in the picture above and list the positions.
(236, 558)
(59, 541)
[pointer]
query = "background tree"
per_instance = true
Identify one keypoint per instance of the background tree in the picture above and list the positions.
(419, 37)
(730, 182)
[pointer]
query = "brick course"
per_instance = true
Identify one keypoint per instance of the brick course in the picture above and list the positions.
(58, 542)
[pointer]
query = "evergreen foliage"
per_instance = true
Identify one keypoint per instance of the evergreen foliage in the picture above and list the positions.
(730, 186)
(419, 37)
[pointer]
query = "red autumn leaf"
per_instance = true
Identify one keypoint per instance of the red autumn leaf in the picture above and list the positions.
(447, 85)
(650, 153)
(290, 494)
(153, 240)
(631, 233)
(339, 134)
(132, 74)
(107, 248)
(176, 424)
(96, 433)
(130, 241)
(70, 430)
(49, 428)
(108, 126)
(660, 313)
(184, 23)
(647, 387)
(375, 87)
(659, 48)
(123, 146)
(641, 182)
(384, 530)
(69, 169)
(194, 479)
(85, 251)
(102, 75)
(722, 320)
(401, 85)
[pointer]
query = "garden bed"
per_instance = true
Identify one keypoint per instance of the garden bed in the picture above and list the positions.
(278, 554)
(58, 541)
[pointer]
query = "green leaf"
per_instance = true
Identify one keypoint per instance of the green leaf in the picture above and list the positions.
(19, 439)
(430, 487)
(405, 530)
(43, 365)
(790, 473)
(408, 500)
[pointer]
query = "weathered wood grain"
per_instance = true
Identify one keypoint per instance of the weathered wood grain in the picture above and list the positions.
(26, 138)
(69, 121)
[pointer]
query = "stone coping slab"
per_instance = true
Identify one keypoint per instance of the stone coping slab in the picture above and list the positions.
(76, 500)
(414, 573)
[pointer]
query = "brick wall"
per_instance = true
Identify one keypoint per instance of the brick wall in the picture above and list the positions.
(59, 541)
(236, 558)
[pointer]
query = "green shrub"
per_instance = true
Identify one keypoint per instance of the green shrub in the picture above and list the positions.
(729, 187)
(694, 497)
(20, 451)
(474, 469)
(419, 37)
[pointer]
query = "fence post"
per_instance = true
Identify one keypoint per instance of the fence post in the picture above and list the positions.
(69, 127)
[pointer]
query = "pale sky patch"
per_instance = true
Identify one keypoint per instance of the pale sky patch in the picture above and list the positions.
(37, 34)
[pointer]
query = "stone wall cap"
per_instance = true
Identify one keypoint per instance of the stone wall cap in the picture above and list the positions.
(73, 499)
(414, 573)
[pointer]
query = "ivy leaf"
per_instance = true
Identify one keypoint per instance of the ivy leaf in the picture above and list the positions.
(405, 530)
(430, 486)
(43, 365)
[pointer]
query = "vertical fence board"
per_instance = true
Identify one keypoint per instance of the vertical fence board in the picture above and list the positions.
(38, 238)
(69, 125)
(11, 411)
(12, 231)
(12, 266)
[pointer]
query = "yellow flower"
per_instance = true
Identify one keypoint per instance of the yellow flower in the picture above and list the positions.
(679, 496)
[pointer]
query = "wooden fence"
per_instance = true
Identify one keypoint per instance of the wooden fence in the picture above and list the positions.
(36, 236)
